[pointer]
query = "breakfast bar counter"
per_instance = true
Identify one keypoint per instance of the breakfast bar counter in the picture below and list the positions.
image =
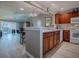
(37, 40)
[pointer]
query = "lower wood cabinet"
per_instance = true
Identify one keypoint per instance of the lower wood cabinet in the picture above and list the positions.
(66, 35)
(45, 45)
(57, 37)
(50, 40)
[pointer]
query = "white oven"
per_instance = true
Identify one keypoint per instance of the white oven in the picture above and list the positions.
(74, 36)
(74, 32)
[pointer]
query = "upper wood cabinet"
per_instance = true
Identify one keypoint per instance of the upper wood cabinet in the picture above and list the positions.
(78, 14)
(57, 17)
(62, 18)
(74, 14)
(65, 18)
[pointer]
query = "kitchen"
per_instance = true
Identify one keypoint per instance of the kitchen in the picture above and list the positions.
(44, 37)
(46, 29)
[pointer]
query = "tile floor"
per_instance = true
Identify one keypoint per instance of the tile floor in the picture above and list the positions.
(64, 50)
(10, 46)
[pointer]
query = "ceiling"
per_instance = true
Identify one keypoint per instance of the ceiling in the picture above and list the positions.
(58, 6)
(10, 10)
(21, 11)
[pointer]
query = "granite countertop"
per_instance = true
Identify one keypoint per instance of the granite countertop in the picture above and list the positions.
(51, 30)
(43, 29)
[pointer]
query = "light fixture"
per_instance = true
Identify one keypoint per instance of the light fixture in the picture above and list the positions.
(21, 9)
(61, 9)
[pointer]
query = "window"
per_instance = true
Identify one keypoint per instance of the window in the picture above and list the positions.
(48, 22)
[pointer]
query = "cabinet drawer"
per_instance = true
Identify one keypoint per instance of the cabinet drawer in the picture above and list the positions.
(47, 34)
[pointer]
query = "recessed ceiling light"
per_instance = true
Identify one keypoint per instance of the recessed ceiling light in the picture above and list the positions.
(61, 9)
(53, 4)
(21, 9)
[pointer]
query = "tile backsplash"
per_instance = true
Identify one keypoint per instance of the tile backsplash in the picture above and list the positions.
(64, 26)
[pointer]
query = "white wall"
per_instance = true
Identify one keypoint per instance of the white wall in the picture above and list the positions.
(33, 42)
(53, 20)
(38, 21)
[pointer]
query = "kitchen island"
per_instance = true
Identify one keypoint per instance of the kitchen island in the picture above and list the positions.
(40, 41)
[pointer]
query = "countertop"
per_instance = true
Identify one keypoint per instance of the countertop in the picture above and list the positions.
(51, 30)
(43, 29)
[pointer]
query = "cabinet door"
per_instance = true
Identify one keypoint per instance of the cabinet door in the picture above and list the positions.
(78, 14)
(74, 14)
(66, 35)
(58, 37)
(45, 45)
(54, 38)
(64, 18)
(51, 41)
(57, 17)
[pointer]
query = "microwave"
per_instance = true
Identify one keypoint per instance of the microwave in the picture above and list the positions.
(75, 20)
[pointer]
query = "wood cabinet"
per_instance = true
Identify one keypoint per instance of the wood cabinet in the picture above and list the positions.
(57, 17)
(74, 14)
(78, 14)
(50, 40)
(66, 35)
(64, 19)
(46, 37)
(56, 38)
(46, 45)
